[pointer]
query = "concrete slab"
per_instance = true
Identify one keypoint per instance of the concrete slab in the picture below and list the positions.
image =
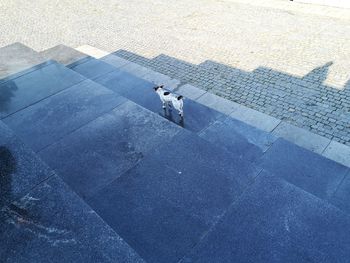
(245, 141)
(17, 57)
(255, 118)
(53, 224)
(92, 51)
(303, 168)
(274, 222)
(49, 120)
(62, 54)
(23, 91)
(301, 137)
(178, 196)
(190, 91)
(218, 103)
(338, 152)
(20, 168)
(99, 152)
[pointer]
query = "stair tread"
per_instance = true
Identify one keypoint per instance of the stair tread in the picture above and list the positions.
(17, 57)
(52, 118)
(63, 54)
(275, 221)
(30, 88)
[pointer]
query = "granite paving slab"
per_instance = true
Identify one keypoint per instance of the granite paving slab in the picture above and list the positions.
(197, 116)
(180, 190)
(91, 68)
(239, 138)
(62, 54)
(255, 118)
(190, 91)
(25, 90)
(338, 152)
(52, 224)
(303, 168)
(102, 150)
(301, 137)
(115, 61)
(218, 103)
(17, 57)
(342, 196)
(49, 120)
(275, 221)
(20, 168)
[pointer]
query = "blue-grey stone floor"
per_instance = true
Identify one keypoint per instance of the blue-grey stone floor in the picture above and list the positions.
(94, 170)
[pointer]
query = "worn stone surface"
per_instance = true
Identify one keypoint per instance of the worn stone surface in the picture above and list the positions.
(276, 222)
(17, 57)
(53, 118)
(44, 81)
(20, 168)
(91, 68)
(303, 168)
(338, 152)
(239, 138)
(179, 194)
(52, 224)
(218, 103)
(301, 137)
(62, 54)
(102, 150)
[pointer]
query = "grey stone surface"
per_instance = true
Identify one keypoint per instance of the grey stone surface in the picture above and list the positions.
(52, 118)
(196, 115)
(218, 103)
(136, 69)
(62, 54)
(23, 91)
(342, 195)
(305, 169)
(161, 79)
(164, 205)
(17, 57)
(91, 68)
(190, 91)
(20, 168)
(243, 140)
(115, 61)
(255, 118)
(99, 152)
(338, 152)
(276, 222)
(301, 137)
(52, 224)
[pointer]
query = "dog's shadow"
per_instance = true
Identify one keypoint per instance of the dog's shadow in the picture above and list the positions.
(168, 114)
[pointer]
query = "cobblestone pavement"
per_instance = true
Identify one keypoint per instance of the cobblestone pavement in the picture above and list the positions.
(286, 59)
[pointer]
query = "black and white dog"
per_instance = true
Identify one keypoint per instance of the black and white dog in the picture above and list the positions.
(167, 97)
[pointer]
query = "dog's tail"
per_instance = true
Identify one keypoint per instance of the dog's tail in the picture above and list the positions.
(180, 97)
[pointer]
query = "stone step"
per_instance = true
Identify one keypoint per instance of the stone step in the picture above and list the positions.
(62, 54)
(33, 85)
(42, 219)
(289, 161)
(185, 184)
(17, 57)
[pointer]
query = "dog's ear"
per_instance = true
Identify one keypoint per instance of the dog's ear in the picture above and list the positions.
(179, 97)
(161, 86)
(155, 88)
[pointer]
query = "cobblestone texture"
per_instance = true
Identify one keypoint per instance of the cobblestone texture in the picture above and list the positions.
(286, 59)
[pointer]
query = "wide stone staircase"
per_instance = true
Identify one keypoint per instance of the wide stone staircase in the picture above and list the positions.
(94, 170)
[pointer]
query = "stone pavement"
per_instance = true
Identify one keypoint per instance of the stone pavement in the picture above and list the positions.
(283, 58)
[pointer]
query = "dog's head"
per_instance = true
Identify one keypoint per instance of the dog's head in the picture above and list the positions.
(158, 87)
